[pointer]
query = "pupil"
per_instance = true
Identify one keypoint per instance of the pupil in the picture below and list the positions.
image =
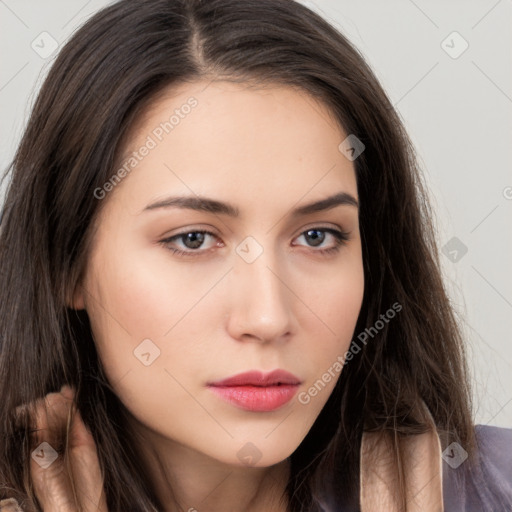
(195, 238)
(317, 239)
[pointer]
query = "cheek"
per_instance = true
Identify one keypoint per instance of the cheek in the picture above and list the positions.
(335, 306)
(145, 293)
(330, 336)
(337, 301)
(139, 295)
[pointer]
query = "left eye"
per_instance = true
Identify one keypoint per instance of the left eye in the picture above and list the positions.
(193, 240)
(318, 235)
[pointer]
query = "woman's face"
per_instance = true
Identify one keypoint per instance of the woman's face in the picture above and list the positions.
(268, 289)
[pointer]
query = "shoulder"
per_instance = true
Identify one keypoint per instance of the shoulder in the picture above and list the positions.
(495, 451)
(483, 487)
(495, 444)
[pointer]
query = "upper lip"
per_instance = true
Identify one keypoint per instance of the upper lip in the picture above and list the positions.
(257, 378)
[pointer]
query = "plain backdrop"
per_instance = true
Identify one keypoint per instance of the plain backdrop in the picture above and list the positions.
(447, 68)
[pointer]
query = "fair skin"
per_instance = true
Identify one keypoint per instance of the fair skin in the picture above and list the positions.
(267, 151)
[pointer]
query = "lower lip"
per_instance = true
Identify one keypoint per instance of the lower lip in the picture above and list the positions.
(255, 398)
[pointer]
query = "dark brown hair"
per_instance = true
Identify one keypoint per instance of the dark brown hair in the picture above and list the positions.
(99, 85)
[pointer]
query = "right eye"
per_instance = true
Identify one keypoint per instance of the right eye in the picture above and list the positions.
(191, 240)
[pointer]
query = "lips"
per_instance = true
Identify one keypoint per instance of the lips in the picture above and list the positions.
(256, 378)
(257, 392)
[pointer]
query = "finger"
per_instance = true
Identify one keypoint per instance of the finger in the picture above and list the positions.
(48, 472)
(86, 468)
(52, 479)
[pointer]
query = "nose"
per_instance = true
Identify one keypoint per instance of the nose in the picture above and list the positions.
(260, 301)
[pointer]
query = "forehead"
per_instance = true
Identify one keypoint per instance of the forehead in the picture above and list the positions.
(227, 139)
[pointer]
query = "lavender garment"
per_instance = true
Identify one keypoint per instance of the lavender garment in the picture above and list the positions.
(488, 490)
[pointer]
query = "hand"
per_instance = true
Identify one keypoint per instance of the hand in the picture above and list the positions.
(52, 484)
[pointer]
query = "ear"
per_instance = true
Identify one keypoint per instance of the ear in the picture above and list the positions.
(77, 300)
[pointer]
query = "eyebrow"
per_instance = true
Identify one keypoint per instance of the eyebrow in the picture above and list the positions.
(205, 204)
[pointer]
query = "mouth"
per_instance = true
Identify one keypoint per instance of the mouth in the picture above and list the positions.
(257, 392)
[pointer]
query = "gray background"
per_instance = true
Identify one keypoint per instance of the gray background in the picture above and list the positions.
(456, 106)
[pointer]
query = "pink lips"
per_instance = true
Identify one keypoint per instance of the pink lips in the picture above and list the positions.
(257, 392)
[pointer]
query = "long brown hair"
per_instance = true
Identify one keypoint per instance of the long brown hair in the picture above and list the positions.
(100, 83)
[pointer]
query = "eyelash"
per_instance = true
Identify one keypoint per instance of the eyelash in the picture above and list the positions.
(341, 237)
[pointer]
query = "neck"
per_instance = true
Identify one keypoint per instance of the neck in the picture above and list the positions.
(185, 480)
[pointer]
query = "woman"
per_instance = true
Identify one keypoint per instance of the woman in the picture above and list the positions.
(220, 285)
